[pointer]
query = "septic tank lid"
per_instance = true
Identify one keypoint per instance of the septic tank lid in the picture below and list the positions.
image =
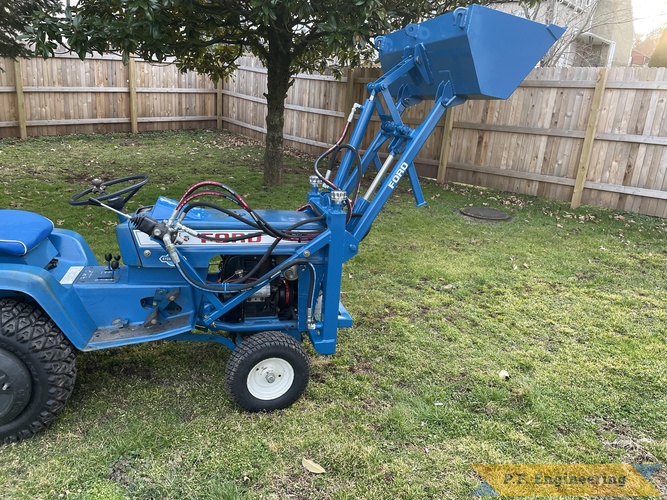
(483, 213)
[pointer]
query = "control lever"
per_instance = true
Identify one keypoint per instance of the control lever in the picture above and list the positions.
(108, 257)
(113, 263)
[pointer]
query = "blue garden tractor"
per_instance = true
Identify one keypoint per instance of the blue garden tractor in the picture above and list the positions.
(210, 268)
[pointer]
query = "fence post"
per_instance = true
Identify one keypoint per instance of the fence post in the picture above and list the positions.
(591, 128)
(20, 98)
(132, 87)
(349, 91)
(219, 104)
(446, 145)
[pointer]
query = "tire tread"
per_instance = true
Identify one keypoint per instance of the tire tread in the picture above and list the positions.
(269, 340)
(31, 327)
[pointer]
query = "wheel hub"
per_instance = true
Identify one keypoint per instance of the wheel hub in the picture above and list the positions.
(270, 378)
(15, 386)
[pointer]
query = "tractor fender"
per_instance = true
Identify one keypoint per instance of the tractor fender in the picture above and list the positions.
(61, 303)
(72, 248)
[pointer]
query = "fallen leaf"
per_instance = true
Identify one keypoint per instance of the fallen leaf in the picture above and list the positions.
(312, 466)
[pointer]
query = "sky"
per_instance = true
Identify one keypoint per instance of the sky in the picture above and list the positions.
(649, 14)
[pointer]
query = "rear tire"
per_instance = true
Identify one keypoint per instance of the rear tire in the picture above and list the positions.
(268, 371)
(37, 370)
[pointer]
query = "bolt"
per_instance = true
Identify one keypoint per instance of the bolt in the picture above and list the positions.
(270, 377)
(153, 322)
(6, 387)
(147, 253)
(306, 253)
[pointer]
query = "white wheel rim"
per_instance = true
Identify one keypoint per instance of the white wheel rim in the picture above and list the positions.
(270, 378)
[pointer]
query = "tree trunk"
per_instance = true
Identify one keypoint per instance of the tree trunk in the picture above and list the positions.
(278, 83)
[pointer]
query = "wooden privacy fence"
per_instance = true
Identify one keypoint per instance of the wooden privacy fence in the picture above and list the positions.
(64, 95)
(585, 135)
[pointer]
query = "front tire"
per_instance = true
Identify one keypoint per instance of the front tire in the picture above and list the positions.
(268, 371)
(37, 370)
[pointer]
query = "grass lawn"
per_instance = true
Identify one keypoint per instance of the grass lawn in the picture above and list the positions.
(571, 303)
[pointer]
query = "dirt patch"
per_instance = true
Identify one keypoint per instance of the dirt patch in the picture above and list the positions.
(123, 470)
(632, 447)
(362, 366)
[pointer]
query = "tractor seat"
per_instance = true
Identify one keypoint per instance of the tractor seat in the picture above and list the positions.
(21, 232)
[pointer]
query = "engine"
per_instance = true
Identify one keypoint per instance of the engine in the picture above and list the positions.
(277, 298)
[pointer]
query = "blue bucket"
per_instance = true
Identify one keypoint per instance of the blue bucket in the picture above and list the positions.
(484, 52)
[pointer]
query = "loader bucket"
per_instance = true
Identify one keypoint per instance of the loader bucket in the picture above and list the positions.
(484, 52)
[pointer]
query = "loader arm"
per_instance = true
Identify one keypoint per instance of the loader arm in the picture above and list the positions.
(470, 53)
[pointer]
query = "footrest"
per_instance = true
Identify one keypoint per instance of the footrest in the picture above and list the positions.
(21, 232)
(135, 334)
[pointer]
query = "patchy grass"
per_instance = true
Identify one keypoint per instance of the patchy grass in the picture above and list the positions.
(570, 302)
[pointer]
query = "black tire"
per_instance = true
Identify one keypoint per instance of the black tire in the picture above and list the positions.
(37, 370)
(268, 371)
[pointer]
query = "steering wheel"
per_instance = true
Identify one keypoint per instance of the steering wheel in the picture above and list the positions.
(115, 199)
